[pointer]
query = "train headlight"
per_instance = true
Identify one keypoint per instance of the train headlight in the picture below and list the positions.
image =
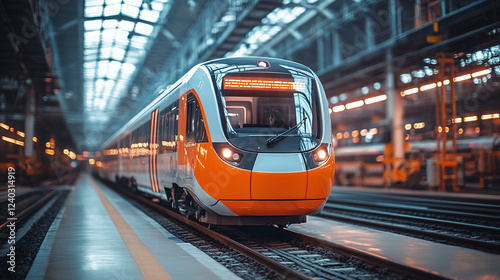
(230, 155)
(320, 155)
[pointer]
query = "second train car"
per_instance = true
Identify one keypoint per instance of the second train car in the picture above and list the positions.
(236, 141)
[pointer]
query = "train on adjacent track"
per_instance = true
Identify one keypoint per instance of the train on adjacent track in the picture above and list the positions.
(235, 141)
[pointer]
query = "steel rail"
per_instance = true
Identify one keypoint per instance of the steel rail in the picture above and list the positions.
(275, 266)
(365, 256)
(25, 213)
(461, 225)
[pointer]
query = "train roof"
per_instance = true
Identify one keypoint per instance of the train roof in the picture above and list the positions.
(250, 64)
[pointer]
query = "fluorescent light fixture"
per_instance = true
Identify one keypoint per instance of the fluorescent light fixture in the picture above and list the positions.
(409, 91)
(354, 104)
(338, 108)
(375, 99)
(462, 78)
(470, 119)
(481, 73)
(428, 87)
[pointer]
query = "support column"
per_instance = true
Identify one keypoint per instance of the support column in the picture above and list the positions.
(394, 116)
(29, 128)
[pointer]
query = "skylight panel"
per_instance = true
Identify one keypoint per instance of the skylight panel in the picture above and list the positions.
(108, 34)
(138, 42)
(130, 11)
(89, 65)
(93, 11)
(99, 85)
(110, 23)
(89, 3)
(90, 57)
(112, 10)
(114, 65)
(144, 29)
(131, 59)
(117, 53)
(92, 25)
(122, 37)
(111, 2)
(157, 6)
(108, 85)
(148, 15)
(105, 53)
(92, 37)
(136, 3)
(126, 25)
(89, 51)
(128, 68)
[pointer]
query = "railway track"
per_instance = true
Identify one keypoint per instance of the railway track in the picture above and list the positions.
(459, 223)
(290, 254)
(26, 205)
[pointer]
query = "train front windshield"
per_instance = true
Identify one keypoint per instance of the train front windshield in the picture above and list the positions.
(270, 113)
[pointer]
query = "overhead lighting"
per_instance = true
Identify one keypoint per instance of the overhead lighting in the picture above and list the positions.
(354, 104)
(13, 141)
(376, 99)
(462, 78)
(338, 108)
(409, 91)
(458, 120)
(4, 126)
(481, 73)
(428, 87)
(470, 119)
(490, 116)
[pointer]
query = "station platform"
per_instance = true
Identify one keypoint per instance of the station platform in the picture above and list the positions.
(444, 260)
(492, 194)
(100, 235)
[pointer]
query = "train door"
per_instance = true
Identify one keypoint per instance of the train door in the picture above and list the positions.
(153, 149)
(192, 129)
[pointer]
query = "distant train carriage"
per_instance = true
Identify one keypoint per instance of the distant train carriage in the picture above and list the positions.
(234, 141)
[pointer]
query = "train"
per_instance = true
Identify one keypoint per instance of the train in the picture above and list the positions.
(478, 160)
(235, 141)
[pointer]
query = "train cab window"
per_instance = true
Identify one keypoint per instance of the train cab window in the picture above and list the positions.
(256, 108)
(195, 125)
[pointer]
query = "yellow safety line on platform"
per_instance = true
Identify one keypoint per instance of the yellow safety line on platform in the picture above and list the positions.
(148, 265)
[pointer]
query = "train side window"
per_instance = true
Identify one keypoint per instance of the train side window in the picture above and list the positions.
(168, 128)
(195, 125)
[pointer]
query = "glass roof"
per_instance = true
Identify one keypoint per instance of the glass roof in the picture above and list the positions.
(116, 33)
(271, 25)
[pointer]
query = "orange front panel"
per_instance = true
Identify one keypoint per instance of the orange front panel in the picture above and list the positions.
(272, 208)
(320, 180)
(281, 186)
(219, 179)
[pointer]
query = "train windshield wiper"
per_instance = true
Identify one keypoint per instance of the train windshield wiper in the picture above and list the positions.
(285, 133)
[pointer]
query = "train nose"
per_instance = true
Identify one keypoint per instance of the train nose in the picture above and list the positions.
(279, 177)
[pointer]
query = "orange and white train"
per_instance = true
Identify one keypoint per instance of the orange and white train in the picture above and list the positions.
(237, 141)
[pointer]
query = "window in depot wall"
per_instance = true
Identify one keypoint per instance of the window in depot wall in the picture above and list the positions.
(427, 11)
